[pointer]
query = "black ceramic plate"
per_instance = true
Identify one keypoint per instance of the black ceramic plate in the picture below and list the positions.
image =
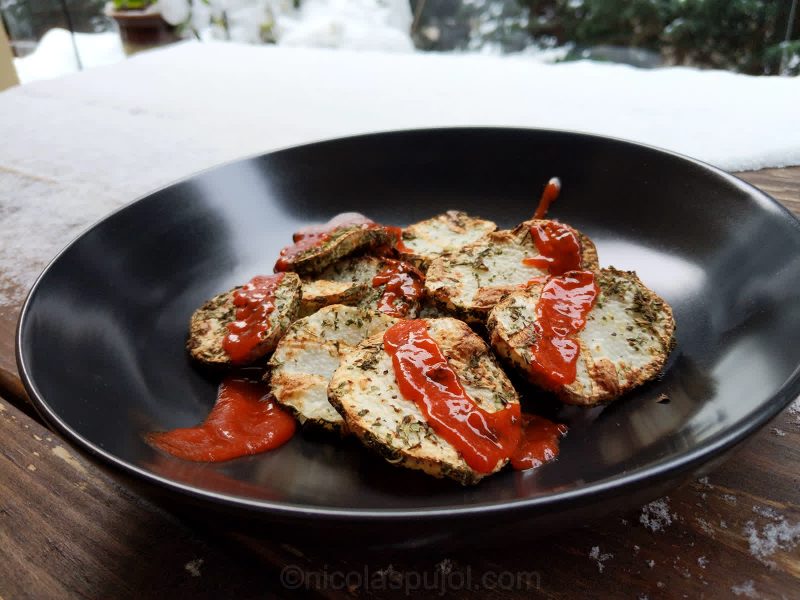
(101, 337)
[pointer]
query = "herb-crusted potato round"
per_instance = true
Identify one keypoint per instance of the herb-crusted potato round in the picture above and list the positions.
(430, 310)
(209, 323)
(626, 340)
(308, 355)
(340, 243)
(469, 282)
(359, 272)
(347, 281)
(355, 269)
(322, 292)
(447, 232)
(365, 392)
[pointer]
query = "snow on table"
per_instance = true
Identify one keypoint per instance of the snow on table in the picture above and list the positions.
(77, 147)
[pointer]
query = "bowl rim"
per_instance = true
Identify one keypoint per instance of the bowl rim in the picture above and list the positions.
(673, 466)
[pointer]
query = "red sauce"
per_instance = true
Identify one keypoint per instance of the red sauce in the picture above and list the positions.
(314, 235)
(535, 281)
(403, 281)
(245, 420)
(397, 233)
(558, 247)
(254, 302)
(549, 195)
(561, 313)
(538, 443)
(482, 438)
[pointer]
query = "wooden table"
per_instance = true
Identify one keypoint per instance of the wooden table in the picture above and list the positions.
(67, 528)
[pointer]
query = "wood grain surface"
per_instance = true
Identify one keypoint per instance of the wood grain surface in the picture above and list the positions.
(69, 529)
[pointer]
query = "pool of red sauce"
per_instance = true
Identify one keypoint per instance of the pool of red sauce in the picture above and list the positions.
(402, 281)
(254, 302)
(482, 438)
(561, 313)
(245, 420)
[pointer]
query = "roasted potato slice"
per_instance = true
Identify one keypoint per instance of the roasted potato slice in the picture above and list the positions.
(308, 355)
(341, 242)
(469, 282)
(364, 391)
(443, 233)
(626, 340)
(361, 271)
(318, 293)
(208, 325)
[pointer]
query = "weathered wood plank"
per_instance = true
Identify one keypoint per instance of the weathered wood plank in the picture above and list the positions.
(68, 530)
(781, 184)
(10, 384)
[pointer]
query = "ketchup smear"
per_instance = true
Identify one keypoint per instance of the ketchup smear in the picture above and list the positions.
(539, 442)
(561, 312)
(254, 302)
(403, 282)
(482, 438)
(245, 420)
(549, 195)
(559, 249)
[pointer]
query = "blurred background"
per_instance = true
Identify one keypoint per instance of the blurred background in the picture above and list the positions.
(50, 38)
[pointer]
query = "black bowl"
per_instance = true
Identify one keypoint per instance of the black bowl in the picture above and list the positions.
(100, 340)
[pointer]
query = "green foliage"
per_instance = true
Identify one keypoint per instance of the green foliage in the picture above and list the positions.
(132, 4)
(784, 58)
(634, 23)
(729, 34)
(741, 35)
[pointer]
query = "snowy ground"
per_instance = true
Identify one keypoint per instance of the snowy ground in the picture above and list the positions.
(55, 54)
(381, 25)
(366, 25)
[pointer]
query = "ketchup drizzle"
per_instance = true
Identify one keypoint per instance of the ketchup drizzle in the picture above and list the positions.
(424, 377)
(403, 282)
(254, 302)
(549, 195)
(482, 438)
(561, 313)
(397, 233)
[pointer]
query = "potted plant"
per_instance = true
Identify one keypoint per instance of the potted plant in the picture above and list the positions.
(140, 24)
